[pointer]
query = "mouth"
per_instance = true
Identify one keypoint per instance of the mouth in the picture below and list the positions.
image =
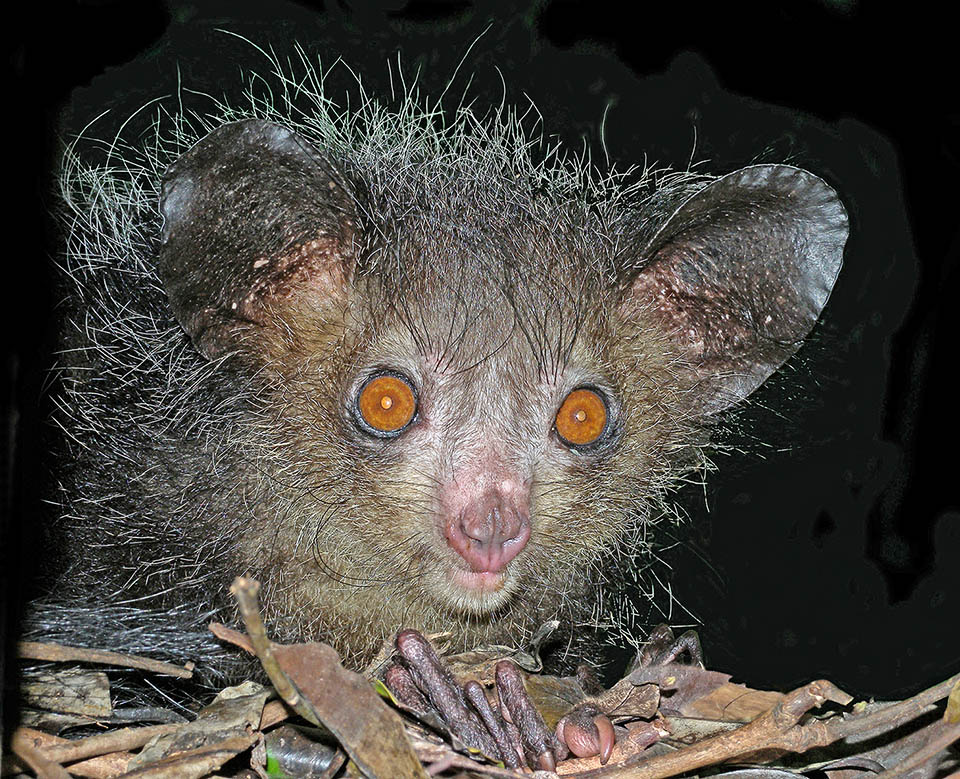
(478, 592)
(478, 581)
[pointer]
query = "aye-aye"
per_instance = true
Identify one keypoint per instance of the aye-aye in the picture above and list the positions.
(409, 369)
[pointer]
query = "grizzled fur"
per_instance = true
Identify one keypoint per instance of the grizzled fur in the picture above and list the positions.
(214, 348)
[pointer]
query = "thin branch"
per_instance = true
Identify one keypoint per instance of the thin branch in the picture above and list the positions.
(895, 714)
(58, 653)
(22, 746)
(922, 755)
(246, 591)
(102, 744)
(776, 729)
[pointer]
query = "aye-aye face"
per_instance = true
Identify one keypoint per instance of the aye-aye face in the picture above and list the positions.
(470, 389)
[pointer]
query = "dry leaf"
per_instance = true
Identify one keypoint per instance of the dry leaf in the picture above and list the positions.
(70, 691)
(347, 705)
(691, 691)
(223, 729)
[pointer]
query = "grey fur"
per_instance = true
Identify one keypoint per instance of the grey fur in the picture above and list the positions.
(212, 359)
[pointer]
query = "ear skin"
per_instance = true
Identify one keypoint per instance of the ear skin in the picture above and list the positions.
(739, 274)
(251, 215)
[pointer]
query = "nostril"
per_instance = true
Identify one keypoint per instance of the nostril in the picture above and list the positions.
(494, 526)
(488, 537)
(478, 526)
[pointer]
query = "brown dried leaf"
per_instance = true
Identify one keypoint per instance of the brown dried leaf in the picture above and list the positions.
(70, 691)
(626, 700)
(370, 732)
(733, 703)
(229, 723)
(478, 664)
(194, 762)
(553, 696)
(691, 691)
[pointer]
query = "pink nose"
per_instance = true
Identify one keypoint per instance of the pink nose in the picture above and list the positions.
(489, 532)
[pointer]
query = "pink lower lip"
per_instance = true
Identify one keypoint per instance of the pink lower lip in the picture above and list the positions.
(479, 581)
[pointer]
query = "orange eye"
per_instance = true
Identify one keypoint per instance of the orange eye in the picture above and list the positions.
(387, 404)
(582, 418)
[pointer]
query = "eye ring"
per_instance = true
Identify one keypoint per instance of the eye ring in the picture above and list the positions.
(386, 404)
(583, 418)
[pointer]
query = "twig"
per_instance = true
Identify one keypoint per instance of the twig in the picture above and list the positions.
(246, 591)
(776, 729)
(41, 765)
(102, 744)
(895, 714)
(432, 754)
(231, 636)
(922, 755)
(100, 767)
(34, 650)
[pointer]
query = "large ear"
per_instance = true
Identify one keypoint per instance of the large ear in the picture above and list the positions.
(251, 215)
(739, 273)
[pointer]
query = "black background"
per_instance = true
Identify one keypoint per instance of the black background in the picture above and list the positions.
(830, 547)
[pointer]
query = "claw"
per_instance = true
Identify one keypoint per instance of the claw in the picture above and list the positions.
(607, 737)
(546, 761)
(663, 648)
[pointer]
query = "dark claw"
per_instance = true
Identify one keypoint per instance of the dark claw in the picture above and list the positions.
(540, 745)
(546, 761)
(586, 731)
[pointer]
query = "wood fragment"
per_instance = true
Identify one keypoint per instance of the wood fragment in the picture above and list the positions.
(68, 691)
(921, 756)
(274, 712)
(59, 653)
(777, 729)
(310, 678)
(122, 740)
(23, 747)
